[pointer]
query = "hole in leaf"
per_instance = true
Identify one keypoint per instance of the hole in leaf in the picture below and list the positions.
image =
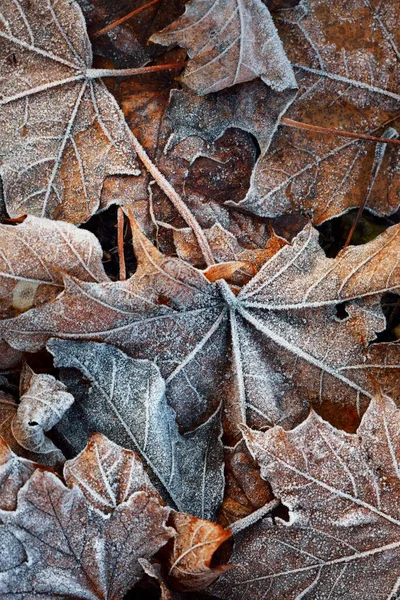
(33, 423)
(281, 512)
(104, 227)
(341, 312)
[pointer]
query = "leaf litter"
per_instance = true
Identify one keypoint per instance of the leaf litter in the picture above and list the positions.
(225, 419)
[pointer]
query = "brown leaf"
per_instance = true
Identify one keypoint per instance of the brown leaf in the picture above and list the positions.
(60, 547)
(42, 405)
(347, 69)
(36, 254)
(189, 562)
(245, 490)
(225, 248)
(107, 474)
(14, 473)
(242, 44)
(342, 491)
(285, 347)
(62, 133)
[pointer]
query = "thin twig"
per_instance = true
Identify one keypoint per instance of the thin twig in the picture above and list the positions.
(253, 517)
(176, 200)
(122, 19)
(97, 73)
(121, 254)
(376, 165)
(339, 132)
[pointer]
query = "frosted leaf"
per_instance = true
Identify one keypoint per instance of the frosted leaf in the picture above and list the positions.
(14, 472)
(342, 491)
(66, 549)
(268, 352)
(189, 560)
(8, 409)
(107, 474)
(346, 59)
(61, 132)
(229, 42)
(34, 256)
(41, 407)
(127, 403)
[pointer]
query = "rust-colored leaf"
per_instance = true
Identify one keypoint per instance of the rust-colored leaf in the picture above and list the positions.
(189, 562)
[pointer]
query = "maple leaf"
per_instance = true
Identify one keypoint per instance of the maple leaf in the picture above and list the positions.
(268, 352)
(242, 44)
(62, 132)
(127, 402)
(346, 63)
(35, 255)
(60, 545)
(342, 493)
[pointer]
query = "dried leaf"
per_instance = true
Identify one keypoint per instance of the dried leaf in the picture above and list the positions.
(343, 536)
(14, 472)
(242, 44)
(36, 254)
(62, 132)
(107, 474)
(41, 407)
(189, 562)
(127, 403)
(346, 62)
(285, 348)
(60, 547)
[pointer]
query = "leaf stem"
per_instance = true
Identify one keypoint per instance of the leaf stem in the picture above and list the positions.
(339, 132)
(121, 255)
(176, 200)
(126, 17)
(97, 73)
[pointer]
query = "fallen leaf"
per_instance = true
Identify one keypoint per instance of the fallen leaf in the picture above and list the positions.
(60, 547)
(14, 473)
(35, 255)
(347, 69)
(41, 406)
(242, 44)
(107, 474)
(343, 535)
(286, 347)
(127, 403)
(62, 132)
(189, 562)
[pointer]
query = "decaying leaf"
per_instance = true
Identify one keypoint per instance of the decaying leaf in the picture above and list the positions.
(346, 61)
(241, 44)
(36, 254)
(343, 536)
(189, 562)
(62, 132)
(41, 406)
(59, 546)
(14, 472)
(127, 403)
(268, 352)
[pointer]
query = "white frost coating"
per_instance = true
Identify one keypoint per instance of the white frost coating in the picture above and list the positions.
(351, 86)
(343, 538)
(34, 256)
(61, 134)
(60, 548)
(242, 44)
(127, 403)
(41, 407)
(286, 336)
